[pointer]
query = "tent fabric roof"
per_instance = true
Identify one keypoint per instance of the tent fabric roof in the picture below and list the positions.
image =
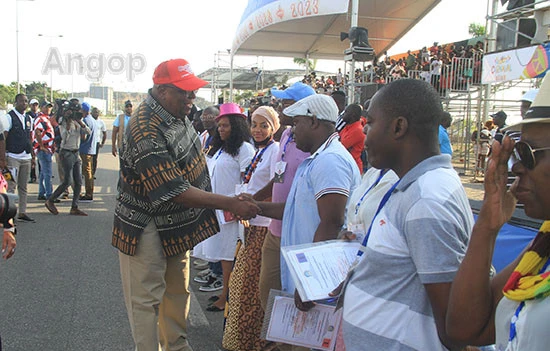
(246, 79)
(318, 35)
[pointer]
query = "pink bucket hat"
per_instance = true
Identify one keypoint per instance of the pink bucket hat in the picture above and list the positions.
(230, 108)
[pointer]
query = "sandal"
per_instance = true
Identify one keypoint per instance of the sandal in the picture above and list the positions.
(214, 308)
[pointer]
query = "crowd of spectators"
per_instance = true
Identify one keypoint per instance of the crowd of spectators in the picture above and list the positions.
(441, 65)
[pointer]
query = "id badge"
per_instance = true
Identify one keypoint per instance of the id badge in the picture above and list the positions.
(280, 169)
(357, 229)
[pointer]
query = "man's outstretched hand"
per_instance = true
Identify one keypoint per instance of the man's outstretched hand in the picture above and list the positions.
(245, 207)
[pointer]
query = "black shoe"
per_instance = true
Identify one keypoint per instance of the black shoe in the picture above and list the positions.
(41, 197)
(33, 180)
(24, 218)
(86, 198)
(56, 201)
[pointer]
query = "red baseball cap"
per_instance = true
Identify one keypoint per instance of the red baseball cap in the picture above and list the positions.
(177, 72)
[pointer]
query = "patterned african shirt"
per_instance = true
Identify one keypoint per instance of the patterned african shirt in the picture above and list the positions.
(160, 158)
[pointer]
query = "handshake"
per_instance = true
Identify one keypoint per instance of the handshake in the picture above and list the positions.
(245, 207)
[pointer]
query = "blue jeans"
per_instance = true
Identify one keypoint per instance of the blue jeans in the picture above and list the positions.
(45, 177)
(72, 168)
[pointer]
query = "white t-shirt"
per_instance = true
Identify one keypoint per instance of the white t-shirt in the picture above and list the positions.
(262, 176)
(102, 128)
(360, 212)
(226, 173)
(532, 326)
(435, 67)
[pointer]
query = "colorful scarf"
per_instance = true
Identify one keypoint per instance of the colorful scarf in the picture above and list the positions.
(254, 163)
(528, 281)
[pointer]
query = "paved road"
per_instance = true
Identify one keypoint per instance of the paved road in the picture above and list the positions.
(62, 291)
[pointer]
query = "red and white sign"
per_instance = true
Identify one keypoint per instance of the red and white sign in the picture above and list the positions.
(285, 10)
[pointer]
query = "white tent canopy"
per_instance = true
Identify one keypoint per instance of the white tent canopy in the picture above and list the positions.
(311, 28)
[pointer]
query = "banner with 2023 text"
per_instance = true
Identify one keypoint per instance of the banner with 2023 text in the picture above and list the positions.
(264, 13)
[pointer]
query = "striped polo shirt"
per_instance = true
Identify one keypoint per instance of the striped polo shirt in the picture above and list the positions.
(419, 237)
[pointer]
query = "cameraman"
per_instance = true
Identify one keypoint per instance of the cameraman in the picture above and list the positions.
(71, 129)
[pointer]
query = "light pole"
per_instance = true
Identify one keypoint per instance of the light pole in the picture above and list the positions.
(51, 37)
(17, 40)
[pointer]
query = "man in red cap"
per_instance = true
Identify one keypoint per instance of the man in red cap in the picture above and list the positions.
(164, 208)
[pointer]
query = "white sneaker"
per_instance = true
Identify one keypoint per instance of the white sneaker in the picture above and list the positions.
(204, 278)
(216, 285)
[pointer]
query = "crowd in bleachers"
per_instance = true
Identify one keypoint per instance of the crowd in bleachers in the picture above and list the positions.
(447, 66)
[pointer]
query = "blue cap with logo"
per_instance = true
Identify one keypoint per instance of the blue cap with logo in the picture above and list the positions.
(296, 92)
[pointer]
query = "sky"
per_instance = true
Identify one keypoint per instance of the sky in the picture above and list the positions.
(146, 33)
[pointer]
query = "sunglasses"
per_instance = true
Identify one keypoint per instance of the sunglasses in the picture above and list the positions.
(525, 154)
(187, 93)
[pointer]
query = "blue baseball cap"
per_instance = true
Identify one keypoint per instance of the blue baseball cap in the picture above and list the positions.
(86, 106)
(296, 92)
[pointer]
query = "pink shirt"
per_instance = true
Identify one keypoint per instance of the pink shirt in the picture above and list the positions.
(293, 157)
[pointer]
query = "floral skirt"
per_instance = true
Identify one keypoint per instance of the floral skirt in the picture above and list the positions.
(245, 314)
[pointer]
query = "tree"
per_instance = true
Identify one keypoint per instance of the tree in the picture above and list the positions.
(306, 63)
(476, 30)
(7, 94)
(34, 90)
(241, 97)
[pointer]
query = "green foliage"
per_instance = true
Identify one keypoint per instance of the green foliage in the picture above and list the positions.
(476, 30)
(306, 63)
(7, 95)
(34, 90)
(243, 96)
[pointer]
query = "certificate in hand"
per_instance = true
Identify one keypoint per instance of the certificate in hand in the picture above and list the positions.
(318, 268)
(317, 328)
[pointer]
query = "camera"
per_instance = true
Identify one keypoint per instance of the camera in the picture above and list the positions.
(70, 109)
(8, 209)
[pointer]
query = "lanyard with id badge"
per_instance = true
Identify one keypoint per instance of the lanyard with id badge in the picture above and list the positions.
(280, 166)
(364, 243)
(357, 227)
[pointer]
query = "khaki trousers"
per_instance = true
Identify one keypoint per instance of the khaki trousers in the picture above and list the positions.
(87, 165)
(270, 271)
(20, 181)
(156, 293)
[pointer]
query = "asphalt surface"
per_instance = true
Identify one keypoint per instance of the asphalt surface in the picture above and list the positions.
(62, 291)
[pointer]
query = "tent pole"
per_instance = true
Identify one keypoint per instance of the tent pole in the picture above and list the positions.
(354, 12)
(491, 44)
(230, 77)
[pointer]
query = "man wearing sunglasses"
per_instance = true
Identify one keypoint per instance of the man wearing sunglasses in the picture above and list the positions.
(164, 208)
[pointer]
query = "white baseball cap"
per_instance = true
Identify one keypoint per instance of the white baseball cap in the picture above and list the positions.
(319, 105)
(33, 101)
